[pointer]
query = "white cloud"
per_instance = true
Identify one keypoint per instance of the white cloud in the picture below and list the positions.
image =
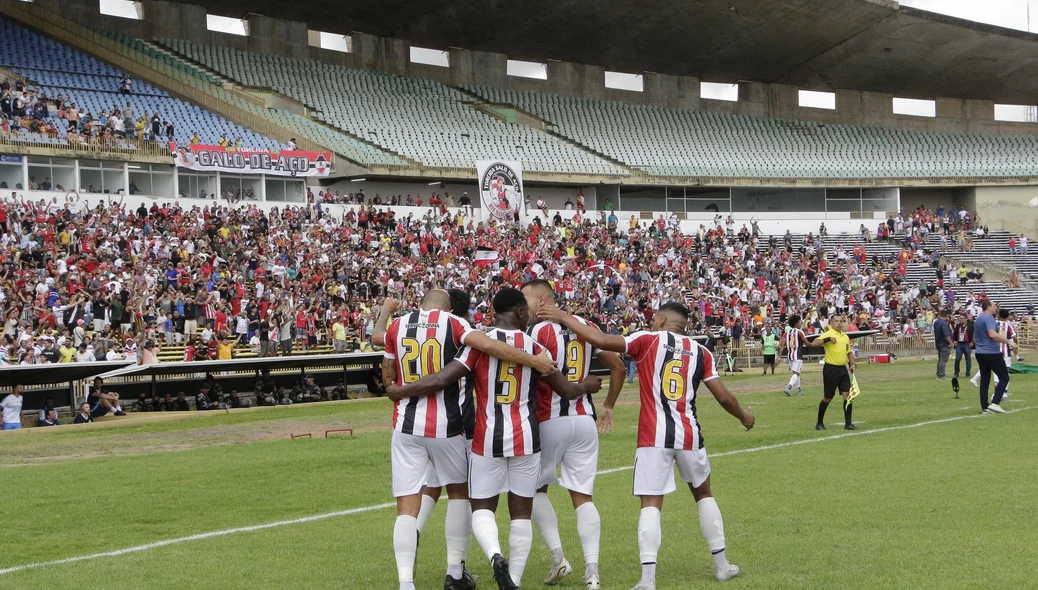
(1021, 15)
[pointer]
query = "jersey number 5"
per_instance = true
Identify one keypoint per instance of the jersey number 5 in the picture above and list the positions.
(673, 383)
(509, 383)
(419, 360)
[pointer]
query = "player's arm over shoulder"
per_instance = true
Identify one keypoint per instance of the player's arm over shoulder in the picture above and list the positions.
(430, 384)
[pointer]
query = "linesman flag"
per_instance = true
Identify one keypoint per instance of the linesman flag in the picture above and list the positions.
(853, 393)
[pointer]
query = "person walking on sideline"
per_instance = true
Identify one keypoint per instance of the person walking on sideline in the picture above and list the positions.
(836, 373)
(989, 357)
(942, 339)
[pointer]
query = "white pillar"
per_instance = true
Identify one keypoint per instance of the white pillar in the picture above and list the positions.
(25, 172)
(78, 181)
(176, 183)
(263, 188)
(126, 178)
(219, 189)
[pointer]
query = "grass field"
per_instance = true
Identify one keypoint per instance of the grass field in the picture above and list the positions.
(945, 504)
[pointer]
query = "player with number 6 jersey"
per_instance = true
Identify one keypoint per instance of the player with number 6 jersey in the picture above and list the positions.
(671, 366)
(505, 446)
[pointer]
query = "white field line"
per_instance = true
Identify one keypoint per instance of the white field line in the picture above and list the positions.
(307, 519)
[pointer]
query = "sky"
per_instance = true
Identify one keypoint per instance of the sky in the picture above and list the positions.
(1012, 14)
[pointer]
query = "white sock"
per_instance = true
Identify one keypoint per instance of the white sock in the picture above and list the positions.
(457, 529)
(649, 539)
(792, 382)
(548, 524)
(589, 529)
(713, 529)
(798, 381)
(428, 505)
(484, 527)
(405, 545)
(520, 539)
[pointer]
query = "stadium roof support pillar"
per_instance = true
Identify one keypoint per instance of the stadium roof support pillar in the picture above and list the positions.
(677, 92)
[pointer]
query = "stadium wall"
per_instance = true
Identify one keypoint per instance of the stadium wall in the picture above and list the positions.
(289, 38)
(1009, 208)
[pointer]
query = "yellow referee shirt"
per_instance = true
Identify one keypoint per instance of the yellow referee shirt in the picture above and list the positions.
(837, 348)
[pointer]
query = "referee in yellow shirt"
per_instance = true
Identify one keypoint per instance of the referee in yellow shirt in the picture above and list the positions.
(836, 374)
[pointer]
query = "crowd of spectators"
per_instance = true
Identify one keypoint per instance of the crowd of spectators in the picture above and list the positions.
(80, 283)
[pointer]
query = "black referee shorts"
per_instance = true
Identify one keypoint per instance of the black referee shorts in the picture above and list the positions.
(835, 378)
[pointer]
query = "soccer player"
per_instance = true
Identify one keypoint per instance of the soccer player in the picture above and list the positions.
(794, 342)
(836, 373)
(568, 437)
(670, 368)
(506, 443)
(430, 430)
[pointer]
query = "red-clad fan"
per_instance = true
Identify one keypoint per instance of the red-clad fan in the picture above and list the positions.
(506, 443)
(671, 366)
(429, 431)
(568, 437)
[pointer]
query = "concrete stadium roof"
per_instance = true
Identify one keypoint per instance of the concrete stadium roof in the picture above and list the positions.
(873, 45)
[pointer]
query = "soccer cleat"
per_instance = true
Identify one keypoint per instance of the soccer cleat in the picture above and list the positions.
(996, 409)
(501, 574)
(465, 583)
(558, 571)
(468, 576)
(850, 427)
(592, 583)
(800, 392)
(645, 586)
(787, 392)
(987, 412)
(955, 386)
(728, 573)
(820, 427)
(120, 413)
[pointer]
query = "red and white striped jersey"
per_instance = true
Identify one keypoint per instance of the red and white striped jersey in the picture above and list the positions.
(670, 369)
(573, 359)
(794, 344)
(422, 343)
(1007, 331)
(505, 424)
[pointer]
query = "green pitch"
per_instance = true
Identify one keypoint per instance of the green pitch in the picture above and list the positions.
(945, 504)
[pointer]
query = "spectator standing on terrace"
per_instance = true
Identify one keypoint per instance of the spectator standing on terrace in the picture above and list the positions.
(125, 84)
(12, 408)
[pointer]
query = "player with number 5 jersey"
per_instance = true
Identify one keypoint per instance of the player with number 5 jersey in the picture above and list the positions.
(429, 431)
(506, 444)
(671, 366)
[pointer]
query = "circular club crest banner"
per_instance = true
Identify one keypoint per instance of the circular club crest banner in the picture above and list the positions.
(500, 189)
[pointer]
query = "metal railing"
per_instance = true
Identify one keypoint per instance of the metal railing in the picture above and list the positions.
(90, 146)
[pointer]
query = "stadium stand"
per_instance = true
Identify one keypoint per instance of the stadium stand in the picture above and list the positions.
(94, 87)
(673, 142)
(414, 117)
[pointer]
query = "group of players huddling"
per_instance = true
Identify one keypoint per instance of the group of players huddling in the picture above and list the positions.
(484, 414)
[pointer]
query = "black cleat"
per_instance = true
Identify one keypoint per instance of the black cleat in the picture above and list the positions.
(850, 427)
(120, 413)
(467, 576)
(820, 426)
(787, 392)
(465, 583)
(955, 386)
(501, 574)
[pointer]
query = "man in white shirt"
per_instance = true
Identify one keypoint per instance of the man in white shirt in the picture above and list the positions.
(12, 409)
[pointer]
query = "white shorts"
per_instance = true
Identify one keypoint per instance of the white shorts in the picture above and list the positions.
(493, 476)
(796, 366)
(654, 469)
(432, 479)
(1009, 360)
(572, 443)
(412, 457)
